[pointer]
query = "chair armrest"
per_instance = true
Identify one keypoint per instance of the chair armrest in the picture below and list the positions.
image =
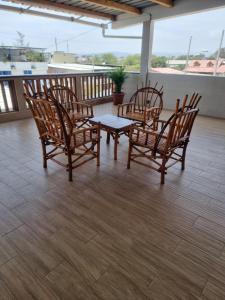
(81, 107)
(82, 130)
(136, 132)
(124, 108)
(86, 135)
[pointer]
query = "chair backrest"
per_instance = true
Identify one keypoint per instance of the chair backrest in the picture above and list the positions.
(52, 120)
(194, 101)
(65, 96)
(147, 97)
(30, 91)
(178, 127)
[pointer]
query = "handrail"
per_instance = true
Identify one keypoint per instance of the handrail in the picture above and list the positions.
(89, 87)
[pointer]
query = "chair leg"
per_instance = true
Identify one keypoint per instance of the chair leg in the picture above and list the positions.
(183, 157)
(98, 153)
(163, 168)
(44, 154)
(70, 169)
(129, 155)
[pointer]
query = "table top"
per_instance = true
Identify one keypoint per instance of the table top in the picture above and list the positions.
(112, 122)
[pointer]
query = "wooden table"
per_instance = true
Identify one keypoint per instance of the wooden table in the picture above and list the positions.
(114, 126)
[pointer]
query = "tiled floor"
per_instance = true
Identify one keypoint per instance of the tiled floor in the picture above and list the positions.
(112, 233)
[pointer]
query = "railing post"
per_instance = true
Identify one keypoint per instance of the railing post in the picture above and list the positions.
(18, 86)
(79, 88)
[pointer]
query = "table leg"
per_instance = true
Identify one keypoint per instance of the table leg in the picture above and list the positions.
(108, 138)
(115, 145)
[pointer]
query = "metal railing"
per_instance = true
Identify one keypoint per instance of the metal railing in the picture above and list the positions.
(89, 87)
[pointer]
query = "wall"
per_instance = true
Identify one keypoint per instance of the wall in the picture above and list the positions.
(20, 67)
(62, 58)
(211, 88)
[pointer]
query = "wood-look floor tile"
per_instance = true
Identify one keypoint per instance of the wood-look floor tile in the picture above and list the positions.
(112, 233)
(119, 254)
(91, 265)
(33, 213)
(179, 270)
(214, 290)
(9, 197)
(114, 285)
(166, 289)
(8, 221)
(5, 293)
(35, 252)
(212, 265)
(212, 228)
(7, 251)
(24, 283)
(69, 284)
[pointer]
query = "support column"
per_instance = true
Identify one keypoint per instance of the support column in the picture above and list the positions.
(146, 48)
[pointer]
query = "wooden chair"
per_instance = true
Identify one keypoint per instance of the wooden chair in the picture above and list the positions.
(79, 113)
(144, 106)
(56, 131)
(167, 147)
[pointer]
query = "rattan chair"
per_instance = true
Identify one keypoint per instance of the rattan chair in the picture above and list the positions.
(144, 106)
(79, 112)
(56, 131)
(165, 148)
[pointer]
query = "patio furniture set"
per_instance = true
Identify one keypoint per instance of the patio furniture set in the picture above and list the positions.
(68, 126)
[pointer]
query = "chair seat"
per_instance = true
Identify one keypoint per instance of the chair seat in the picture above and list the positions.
(148, 140)
(79, 116)
(83, 138)
(137, 116)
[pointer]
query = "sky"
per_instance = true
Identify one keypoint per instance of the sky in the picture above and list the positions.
(171, 36)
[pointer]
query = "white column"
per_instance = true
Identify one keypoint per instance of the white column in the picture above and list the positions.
(146, 48)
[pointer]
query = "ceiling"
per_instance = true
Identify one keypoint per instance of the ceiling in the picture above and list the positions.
(101, 9)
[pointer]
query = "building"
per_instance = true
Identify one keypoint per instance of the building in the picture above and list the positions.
(23, 60)
(75, 68)
(60, 57)
(206, 67)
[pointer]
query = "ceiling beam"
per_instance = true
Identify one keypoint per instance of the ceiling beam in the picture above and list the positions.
(47, 15)
(116, 5)
(65, 8)
(166, 3)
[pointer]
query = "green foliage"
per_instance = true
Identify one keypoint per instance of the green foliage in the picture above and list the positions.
(109, 59)
(103, 59)
(132, 60)
(159, 62)
(35, 56)
(191, 57)
(96, 59)
(118, 77)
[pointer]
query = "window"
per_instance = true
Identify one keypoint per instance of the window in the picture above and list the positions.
(197, 64)
(27, 72)
(5, 73)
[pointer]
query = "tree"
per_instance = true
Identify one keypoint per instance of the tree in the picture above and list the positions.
(159, 62)
(20, 42)
(96, 59)
(132, 60)
(109, 59)
(35, 56)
